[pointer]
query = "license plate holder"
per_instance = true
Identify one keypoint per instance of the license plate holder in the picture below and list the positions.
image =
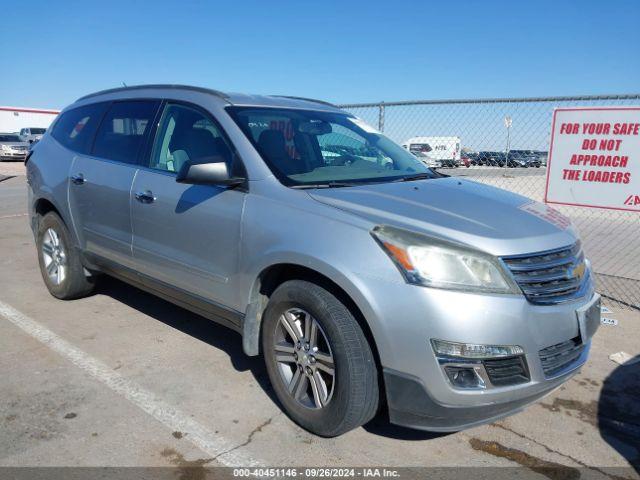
(589, 318)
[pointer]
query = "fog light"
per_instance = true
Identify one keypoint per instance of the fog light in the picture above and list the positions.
(470, 350)
(462, 377)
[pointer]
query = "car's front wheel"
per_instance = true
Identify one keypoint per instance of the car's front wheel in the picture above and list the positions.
(319, 361)
(60, 264)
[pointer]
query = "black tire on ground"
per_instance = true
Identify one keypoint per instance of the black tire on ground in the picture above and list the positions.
(355, 395)
(75, 284)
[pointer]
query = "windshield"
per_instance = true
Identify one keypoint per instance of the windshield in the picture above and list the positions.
(311, 148)
(38, 131)
(9, 138)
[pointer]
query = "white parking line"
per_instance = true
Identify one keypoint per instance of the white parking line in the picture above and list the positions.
(203, 438)
(14, 216)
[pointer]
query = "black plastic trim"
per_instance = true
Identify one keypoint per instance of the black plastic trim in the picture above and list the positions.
(194, 303)
(410, 405)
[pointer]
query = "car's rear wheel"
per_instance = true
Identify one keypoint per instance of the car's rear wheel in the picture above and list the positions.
(60, 264)
(318, 359)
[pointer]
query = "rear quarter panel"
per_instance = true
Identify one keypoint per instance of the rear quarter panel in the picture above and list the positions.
(47, 176)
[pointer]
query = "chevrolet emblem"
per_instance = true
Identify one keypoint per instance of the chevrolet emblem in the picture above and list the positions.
(578, 270)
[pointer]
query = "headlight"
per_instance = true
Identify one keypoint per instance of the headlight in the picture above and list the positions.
(436, 263)
(470, 350)
(4, 147)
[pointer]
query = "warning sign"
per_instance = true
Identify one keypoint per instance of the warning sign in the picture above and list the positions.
(594, 158)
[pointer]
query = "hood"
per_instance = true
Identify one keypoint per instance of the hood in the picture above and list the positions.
(15, 144)
(484, 217)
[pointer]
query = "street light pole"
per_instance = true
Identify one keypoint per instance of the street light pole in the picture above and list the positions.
(507, 123)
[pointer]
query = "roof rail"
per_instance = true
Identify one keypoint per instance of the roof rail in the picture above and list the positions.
(142, 87)
(306, 99)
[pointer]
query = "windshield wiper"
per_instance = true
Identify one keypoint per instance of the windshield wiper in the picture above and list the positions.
(325, 185)
(417, 176)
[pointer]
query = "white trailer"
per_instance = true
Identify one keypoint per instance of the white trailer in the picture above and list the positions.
(14, 119)
(435, 151)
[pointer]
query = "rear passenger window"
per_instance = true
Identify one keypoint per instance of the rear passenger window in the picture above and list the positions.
(75, 128)
(123, 130)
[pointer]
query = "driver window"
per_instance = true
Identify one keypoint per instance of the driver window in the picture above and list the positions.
(185, 134)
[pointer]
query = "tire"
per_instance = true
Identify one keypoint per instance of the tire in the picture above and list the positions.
(68, 281)
(352, 393)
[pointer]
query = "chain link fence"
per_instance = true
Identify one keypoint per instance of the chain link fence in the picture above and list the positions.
(491, 141)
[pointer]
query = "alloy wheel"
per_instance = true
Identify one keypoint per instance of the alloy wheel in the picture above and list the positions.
(304, 358)
(54, 256)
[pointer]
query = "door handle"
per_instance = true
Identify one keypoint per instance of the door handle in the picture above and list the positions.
(78, 179)
(145, 197)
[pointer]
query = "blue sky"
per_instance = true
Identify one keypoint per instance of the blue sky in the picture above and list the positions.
(342, 51)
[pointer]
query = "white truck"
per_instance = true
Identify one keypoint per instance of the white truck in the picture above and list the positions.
(29, 123)
(435, 151)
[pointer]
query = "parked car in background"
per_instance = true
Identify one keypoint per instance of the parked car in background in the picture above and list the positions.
(542, 157)
(465, 160)
(471, 156)
(12, 147)
(491, 159)
(32, 134)
(523, 159)
(444, 149)
(447, 302)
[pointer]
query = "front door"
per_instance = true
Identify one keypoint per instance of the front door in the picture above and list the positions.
(187, 236)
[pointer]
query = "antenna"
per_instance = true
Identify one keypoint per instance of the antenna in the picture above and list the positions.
(124, 84)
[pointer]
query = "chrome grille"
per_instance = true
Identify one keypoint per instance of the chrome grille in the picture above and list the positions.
(550, 277)
(557, 358)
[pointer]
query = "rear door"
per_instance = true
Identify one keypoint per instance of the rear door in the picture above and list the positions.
(187, 236)
(100, 182)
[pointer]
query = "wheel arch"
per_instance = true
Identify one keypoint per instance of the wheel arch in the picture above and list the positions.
(270, 277)
(43, 205)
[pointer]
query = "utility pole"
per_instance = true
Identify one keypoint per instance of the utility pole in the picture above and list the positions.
(381, 117)
(507, 123)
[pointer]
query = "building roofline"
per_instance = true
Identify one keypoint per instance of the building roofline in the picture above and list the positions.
(28, 110)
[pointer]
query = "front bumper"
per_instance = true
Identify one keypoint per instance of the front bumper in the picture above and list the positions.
(410, 405)
(420, 395)
(7, 156)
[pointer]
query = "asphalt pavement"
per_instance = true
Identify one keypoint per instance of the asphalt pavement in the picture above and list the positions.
(123, 378)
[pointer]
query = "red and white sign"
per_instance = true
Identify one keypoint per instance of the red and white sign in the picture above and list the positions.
(594, 158)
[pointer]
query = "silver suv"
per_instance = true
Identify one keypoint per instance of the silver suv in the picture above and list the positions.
(366, 280)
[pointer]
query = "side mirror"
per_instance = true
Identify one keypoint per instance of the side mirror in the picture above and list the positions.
(214, 172)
